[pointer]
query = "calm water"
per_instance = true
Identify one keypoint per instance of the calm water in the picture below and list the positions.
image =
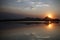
(18, 31)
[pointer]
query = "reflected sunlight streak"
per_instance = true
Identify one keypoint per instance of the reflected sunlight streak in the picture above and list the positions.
(50, 26)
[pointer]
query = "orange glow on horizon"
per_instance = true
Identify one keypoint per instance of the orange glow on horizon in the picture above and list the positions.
(50, 14)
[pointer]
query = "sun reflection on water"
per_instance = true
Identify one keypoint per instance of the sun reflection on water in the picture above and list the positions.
(50, 26)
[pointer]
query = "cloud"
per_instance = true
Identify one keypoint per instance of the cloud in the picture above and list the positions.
(18, 0)
(36, 5)
(42, 5)
(31, 5)
(21, 0)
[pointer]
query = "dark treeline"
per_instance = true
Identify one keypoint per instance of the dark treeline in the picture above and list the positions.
(32, 19)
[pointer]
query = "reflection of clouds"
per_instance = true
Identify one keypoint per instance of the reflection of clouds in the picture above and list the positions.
(29, 33)
(40, 34)
(36, 37)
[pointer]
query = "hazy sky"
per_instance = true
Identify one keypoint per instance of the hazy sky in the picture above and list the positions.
(31, 7)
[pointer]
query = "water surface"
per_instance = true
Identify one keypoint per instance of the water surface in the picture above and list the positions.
(18, 31)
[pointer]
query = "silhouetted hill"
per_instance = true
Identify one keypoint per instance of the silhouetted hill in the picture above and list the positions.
(32, 19)
(14, 17)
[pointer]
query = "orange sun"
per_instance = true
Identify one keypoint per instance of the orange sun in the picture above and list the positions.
(49, 15)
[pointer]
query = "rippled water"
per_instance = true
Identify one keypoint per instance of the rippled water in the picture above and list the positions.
(18, 31)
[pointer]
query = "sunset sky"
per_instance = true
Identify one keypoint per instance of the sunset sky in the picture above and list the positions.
(31, 8)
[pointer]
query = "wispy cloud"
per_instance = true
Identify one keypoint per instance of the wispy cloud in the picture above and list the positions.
(18, 0)
(21, 0)
(36, 5)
